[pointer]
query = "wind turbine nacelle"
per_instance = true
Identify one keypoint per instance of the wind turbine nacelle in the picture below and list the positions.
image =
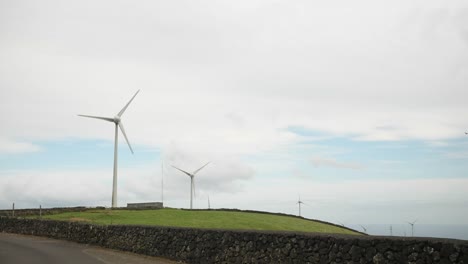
(116, 119)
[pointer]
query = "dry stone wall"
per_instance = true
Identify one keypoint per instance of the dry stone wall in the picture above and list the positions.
(44, 211)
(228, 246)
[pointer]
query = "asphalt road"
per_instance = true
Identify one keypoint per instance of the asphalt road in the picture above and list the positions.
(19, 249)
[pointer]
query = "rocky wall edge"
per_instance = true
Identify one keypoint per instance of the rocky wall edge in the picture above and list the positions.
(230, 246)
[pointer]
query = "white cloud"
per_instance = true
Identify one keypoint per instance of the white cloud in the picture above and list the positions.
(327, 162)
(8, 146)
(236, 73)
(441, 201)
(93, 187)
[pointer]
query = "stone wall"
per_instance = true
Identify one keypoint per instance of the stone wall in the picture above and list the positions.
(44, 211)
(228, 246)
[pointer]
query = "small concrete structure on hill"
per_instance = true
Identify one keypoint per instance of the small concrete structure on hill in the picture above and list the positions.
(157, 205)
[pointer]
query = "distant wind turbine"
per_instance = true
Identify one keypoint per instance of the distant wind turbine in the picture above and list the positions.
(209, 207)
(299, 202)
(412, 227)
(162, 182)
(118, 124)
(363, 228)
(192, 183)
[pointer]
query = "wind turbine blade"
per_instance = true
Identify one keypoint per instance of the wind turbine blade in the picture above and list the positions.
(99, 117)
(125, 136)
(190, 175)
(200, 168)
(125, 107)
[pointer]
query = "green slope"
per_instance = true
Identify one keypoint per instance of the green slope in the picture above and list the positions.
(201, 219)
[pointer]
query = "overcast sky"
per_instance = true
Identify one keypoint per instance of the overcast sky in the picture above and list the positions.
(359, 107)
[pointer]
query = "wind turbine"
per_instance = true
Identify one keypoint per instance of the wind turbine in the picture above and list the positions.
(162, 182)
(192, 184)
(412, 227)
(363, 228)
(299, 202)
(209, 207)
(118, 124)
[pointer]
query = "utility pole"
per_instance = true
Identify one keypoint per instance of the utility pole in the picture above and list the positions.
(13, 210)
(162, 183)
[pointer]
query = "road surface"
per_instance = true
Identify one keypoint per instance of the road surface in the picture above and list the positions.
(19, 249)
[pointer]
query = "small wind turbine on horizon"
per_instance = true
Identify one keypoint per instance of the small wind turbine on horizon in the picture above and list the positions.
(412, 227)
(209, 206)
(363, 228)
(192, 183)
(162, 183)
(118, 124)
(299, 202)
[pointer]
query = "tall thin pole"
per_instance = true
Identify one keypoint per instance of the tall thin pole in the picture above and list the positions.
(162, 182)
(13, 210)
(191, 192)
(40, 211)
(391, 230)
(114, 181)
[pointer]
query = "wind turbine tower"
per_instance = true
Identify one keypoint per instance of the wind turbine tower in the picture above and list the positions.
(412, 227)
(118, 124)
(192, 183)
(299, 202)
(162, 182)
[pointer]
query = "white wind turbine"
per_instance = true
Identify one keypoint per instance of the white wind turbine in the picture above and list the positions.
(412, 226)
(118, 123)
(299, 202)
(364, 228)
(192, 184)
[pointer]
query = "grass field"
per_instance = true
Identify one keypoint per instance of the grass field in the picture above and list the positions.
(200, 219)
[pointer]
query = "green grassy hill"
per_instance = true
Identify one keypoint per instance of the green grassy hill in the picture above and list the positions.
(213, 219)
